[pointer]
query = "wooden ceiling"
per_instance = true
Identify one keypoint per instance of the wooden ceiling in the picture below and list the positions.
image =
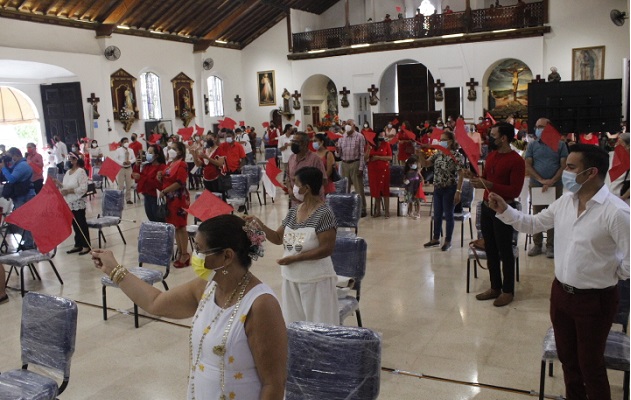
(202, 22)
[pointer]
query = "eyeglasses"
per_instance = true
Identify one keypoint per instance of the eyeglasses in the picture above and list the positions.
(206, 252)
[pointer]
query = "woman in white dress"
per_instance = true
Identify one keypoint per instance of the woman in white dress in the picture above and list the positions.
(238, 341)
(308, 238)
(74, 186)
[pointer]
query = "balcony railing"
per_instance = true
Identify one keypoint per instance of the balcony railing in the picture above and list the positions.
(471, 21)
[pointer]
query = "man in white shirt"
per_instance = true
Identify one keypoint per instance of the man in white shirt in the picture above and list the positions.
(124, 157)
(244, 140)
(591, 253)
(60, 150)
(284, 147)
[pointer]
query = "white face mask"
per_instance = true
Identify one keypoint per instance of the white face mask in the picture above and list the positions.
(389, 125)
(229, 139)
(414, 166)
(172, 154)
(297, 195)
(126, 145)
(348, 128)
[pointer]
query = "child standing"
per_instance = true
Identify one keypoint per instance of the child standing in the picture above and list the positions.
(413, 180)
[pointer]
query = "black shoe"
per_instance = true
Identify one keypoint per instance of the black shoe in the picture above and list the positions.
(4, 298)
(74, 250)
(432, 243)
(364, 214)
(84, 252)
(446, 246)
(130, 202)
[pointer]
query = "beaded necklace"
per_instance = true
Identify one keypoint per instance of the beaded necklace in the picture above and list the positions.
(219, 350)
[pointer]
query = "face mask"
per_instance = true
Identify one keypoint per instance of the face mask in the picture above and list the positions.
(30, 150)
(229, 139)
(297, 195)
(210, 143)
(198, 262)
(149, 157)
(68, 165)
(443, 143)
(73, 149)
(316, 145)
(295, 148)
(133, 139)
(94, 145)
(538, 132)
(414, 166)
(365, 125)
(126, 145)
(172, 154)
(492, 143)
(389, 125)
(348, 128)
(569, 181)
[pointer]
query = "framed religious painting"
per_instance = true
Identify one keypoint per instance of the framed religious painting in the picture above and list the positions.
(267, 88)
(588, 63)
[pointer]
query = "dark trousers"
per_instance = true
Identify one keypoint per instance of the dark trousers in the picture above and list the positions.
(151, 208)
(581, 324)
(498, 243)
(444, 207)
(37, 185)
(60, 168)
(80, 225)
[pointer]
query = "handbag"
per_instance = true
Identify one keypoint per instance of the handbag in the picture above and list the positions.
(223, 180)
(335, 175)
(161, 210)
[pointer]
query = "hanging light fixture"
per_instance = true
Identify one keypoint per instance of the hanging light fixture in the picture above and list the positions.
(426, 8)
(15, 108)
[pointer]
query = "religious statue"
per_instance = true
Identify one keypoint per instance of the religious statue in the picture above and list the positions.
(129, 102)
(186, 113)
(127, 115)
(296, 102)
(554, 75)
(237, 101)
(515, 71)
(95, 110)
(286, 96)
(472, 95)
(438, 95)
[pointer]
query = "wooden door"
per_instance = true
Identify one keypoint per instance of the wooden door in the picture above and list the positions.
(63, 111)
(453, 102)
(315, 117)
(415, 87)
(278, 119)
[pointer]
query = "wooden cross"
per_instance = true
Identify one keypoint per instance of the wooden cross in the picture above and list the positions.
(344, 101)
(438, 96)
(296, 97)
(472, 83)
(238, 101)
(539, 79)
(94, 101)
(438, 84)
(373, 95)
(471, 93)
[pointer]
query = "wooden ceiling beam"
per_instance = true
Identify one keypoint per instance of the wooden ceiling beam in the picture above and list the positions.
(186, 19)
(102, 6)
(115, 17)
(24, 6)
(76, 8)
(149, 18)
(205, 42)
(168, 23)
(66, 8)
(55, 5)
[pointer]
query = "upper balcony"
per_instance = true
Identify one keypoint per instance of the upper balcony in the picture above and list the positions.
(523, 20)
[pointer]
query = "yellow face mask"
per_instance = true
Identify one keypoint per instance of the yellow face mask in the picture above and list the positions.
(198, 262)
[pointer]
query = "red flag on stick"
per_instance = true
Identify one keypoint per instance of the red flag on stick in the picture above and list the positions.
(241, 123)
(489, 116)
(272, 171)
(208, 206)
(395, 122)
(266, 125)
(114, 146)
(420, 194)
(110, 169)
(228, 123)
(186, 133)
(332, 135)
(471, 148)
(199, 130)
(551, 137)
(443, 150)
(49, 206)
(155, 138)
(297, 123)
(369, 136)
(620, 163)
(394, 140)
(436, 134)
(408, 134)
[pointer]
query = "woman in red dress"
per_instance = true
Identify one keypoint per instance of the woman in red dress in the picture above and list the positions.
(406, 145)
(378, 159)
(173, 181)
(145, 175)
(327, 158)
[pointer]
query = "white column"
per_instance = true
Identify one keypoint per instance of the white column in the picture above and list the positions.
(410, 7)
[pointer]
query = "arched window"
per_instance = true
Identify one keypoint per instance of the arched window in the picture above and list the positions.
(150, 89)
(215, 96)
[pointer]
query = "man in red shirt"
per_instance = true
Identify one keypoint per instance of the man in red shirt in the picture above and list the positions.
(35, 160)
(135, 145)
(234, 153)
(503, 175)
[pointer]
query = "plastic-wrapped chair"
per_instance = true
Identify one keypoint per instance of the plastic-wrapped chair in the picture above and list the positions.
(259, 144)
(349, 259)
(155, 247)
(481, 254)
(28, 258)
(332, 362)
(616, 350)
(397, 187)
(254, 174)
(346, 208)
(270, 152)
(47, 338)
(238, 195)
(112, 213)
(341, 186)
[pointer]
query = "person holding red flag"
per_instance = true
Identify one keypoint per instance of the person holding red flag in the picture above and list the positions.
(271, 136)
(378, 160)
(147, 182)
(73, 187)
(504, 175)
(406, 143)
(18, 187)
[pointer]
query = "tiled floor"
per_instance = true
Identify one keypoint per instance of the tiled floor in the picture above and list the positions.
(414, 297)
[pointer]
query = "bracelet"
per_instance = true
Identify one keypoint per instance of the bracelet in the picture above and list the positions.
(114, 271)
(458, 191)
(120, 275)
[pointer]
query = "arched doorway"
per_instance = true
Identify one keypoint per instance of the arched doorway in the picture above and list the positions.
(506, 88)
(19, 120)
(319, 101)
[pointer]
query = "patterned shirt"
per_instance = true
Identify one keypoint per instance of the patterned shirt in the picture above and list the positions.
(322, 219)
(352, 147)
(446, 169)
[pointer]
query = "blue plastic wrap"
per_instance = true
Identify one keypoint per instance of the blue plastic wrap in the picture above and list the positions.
(155, 243)
(346, 208)
(270, 152)
(47, 336)
(24, 258)
(341, 186)
(238, 194)
(254, 174)
(332, 362)
(349, 259)
(113, 203)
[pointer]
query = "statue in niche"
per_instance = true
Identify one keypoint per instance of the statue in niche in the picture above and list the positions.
(286, 96)
(129, 102)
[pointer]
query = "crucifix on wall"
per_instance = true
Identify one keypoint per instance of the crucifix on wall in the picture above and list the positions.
(438, 95)
(539, 79)
(472, 95)
(237, 100)
(94, 101)
(344, 92)
(296, 101)
(373, 95)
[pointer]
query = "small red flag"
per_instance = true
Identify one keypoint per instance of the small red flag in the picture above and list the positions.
(297, 123)
(272, 171)
(208, 206)
(186, 133)
(369, 136)
(620, 163)
(408, 134)
(551, 137)
(155, 138)
(49, 206)
(394, 140)
(395, 122)
(332, 135)
(265, 124)
(241, 123)
(110, 169)
(199, 130)
(331, 148)
(114, 146)
(471, 148)
(420, 194)
(436, 134)
(489, 116)
(142, 135)
(227, 123)
(398, 8)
